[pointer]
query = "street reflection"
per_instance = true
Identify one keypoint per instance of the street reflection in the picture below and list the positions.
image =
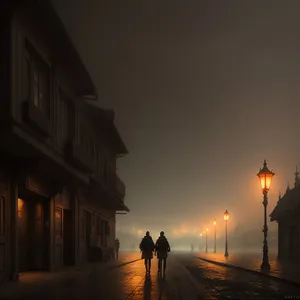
(245, 285)
(147, 288)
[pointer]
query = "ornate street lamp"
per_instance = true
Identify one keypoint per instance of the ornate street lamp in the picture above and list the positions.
(265, 177)
(206, 230)
(215, 225)
(226, 217)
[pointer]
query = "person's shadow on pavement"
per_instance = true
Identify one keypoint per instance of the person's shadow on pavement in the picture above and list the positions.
(161, 283)
(147, 288)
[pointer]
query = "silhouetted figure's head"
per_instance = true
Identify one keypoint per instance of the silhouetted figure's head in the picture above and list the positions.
(162, 234)
(147, 233)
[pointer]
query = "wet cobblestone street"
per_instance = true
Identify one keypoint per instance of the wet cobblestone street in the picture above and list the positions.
(226, 283)
(252, 261)
(126, 282)
(187, 278)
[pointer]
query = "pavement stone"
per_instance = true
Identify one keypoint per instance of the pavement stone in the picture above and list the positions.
(126, 282)
(284, 270)
(222, 282)
(186, 278)
(33, 282)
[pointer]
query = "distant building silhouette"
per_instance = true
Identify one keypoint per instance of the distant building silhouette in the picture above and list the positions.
(286, 213)
(59, 190)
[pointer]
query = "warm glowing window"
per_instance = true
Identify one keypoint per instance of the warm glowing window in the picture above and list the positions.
(20, 204)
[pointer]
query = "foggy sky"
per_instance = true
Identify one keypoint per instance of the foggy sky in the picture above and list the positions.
(203, 92)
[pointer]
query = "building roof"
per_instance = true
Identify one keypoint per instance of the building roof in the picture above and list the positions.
(104, 118)
(44, 15)
(122, 207)
(289, 203)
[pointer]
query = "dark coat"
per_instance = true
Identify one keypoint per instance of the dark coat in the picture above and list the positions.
(147, 247)
(162, 247)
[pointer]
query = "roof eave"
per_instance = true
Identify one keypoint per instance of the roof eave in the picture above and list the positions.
(121, 149)
(57, 28)
(121, 207)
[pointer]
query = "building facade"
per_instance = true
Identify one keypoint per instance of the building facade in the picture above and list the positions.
(59, 189)
(286, 213)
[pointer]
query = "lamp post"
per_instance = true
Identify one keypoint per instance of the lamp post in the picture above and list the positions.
(265, 177)
(215, 246)
(226, 217)
(206, 229)
(201, 235)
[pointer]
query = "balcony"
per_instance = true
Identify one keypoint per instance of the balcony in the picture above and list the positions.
(36, 119)
(113, 186)
(120, 188)
(77, 156)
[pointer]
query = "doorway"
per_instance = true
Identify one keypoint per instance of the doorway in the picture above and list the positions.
(68, 253)
(33, 233)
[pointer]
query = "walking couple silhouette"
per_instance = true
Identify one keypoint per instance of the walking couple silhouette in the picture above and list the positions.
(160, 248)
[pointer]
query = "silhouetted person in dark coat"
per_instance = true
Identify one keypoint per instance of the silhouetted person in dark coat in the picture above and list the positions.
(147, 248)
(192, 247)
(117, 247)
(162, 247)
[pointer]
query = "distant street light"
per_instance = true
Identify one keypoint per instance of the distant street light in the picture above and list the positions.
(201, 235)
(226, 217)
(206, 229)
(265, 177)
(215, 225)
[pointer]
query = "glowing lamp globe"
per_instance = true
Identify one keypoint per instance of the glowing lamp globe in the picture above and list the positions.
(226, 215)
(215, 223)
(265, 176)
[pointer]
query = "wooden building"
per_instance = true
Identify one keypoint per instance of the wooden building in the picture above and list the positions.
(59, 190)
(286, 213)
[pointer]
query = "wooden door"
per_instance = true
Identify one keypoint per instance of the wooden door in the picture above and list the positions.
(88, 228)
(58, 237)
(38, 245)
(68, 245)
(3, 235)
(23, 235)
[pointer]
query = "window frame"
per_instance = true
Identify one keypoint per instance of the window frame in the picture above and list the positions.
(38, 63)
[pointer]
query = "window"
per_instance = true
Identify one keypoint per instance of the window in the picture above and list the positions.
(36, 88)
(78, 126)
(94, 155)
(97, 159)
(2, 215)
(98, 225)
(107, 228)
(104, 232)
(66, 119)
(28, 76)
(58, 221)
(82, 225)
(39, 80)
(99, 165)
(106, 172)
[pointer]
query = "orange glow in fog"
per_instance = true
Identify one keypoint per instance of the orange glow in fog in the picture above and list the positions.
(20, 204)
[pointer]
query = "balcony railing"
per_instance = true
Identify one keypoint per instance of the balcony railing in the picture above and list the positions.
(113, 185)
(36, 119)
(120, 186)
